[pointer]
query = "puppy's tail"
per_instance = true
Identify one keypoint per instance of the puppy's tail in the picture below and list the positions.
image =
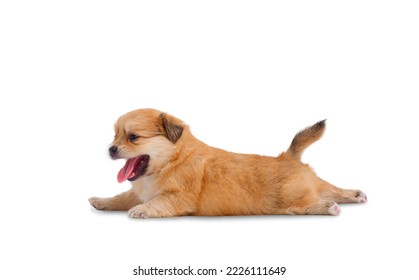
(305, 138)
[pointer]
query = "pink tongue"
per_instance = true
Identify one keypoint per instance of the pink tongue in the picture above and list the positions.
(127, 171)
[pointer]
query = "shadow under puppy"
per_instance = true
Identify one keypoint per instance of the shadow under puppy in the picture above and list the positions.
(173, 174)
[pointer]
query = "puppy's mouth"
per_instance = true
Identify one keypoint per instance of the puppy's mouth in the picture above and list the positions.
(133, 168)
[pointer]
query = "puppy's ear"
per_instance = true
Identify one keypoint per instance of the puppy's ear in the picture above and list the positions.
(173, 131)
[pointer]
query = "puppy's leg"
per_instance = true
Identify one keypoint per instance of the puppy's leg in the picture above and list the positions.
(121, 202)
(321, 207)
(166, 205)
(299, 196)
(328, 191)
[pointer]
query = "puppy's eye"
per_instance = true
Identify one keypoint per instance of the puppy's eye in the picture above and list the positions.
(133, 137)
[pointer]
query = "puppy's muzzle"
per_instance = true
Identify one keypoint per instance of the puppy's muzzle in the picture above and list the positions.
(113, 151)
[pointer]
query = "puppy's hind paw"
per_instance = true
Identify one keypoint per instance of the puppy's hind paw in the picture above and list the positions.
(333, 209)
(361, 197)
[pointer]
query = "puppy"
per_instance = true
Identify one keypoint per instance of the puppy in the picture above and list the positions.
(174, 174)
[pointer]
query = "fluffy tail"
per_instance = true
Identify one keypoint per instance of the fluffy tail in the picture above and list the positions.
(305, 138)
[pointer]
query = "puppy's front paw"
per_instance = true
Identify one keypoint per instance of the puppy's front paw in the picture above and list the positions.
(97, 203)
(138, 212)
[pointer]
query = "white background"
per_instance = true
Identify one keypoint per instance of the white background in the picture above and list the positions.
(246, 76)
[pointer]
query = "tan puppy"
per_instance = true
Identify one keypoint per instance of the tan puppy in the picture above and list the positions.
(174, 174)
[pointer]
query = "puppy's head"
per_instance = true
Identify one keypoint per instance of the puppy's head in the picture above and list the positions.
(146, 138)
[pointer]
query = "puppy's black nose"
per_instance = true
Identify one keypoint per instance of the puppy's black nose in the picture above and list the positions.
(113, 150)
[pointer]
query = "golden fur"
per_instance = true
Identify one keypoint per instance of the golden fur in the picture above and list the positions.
(187, 177)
